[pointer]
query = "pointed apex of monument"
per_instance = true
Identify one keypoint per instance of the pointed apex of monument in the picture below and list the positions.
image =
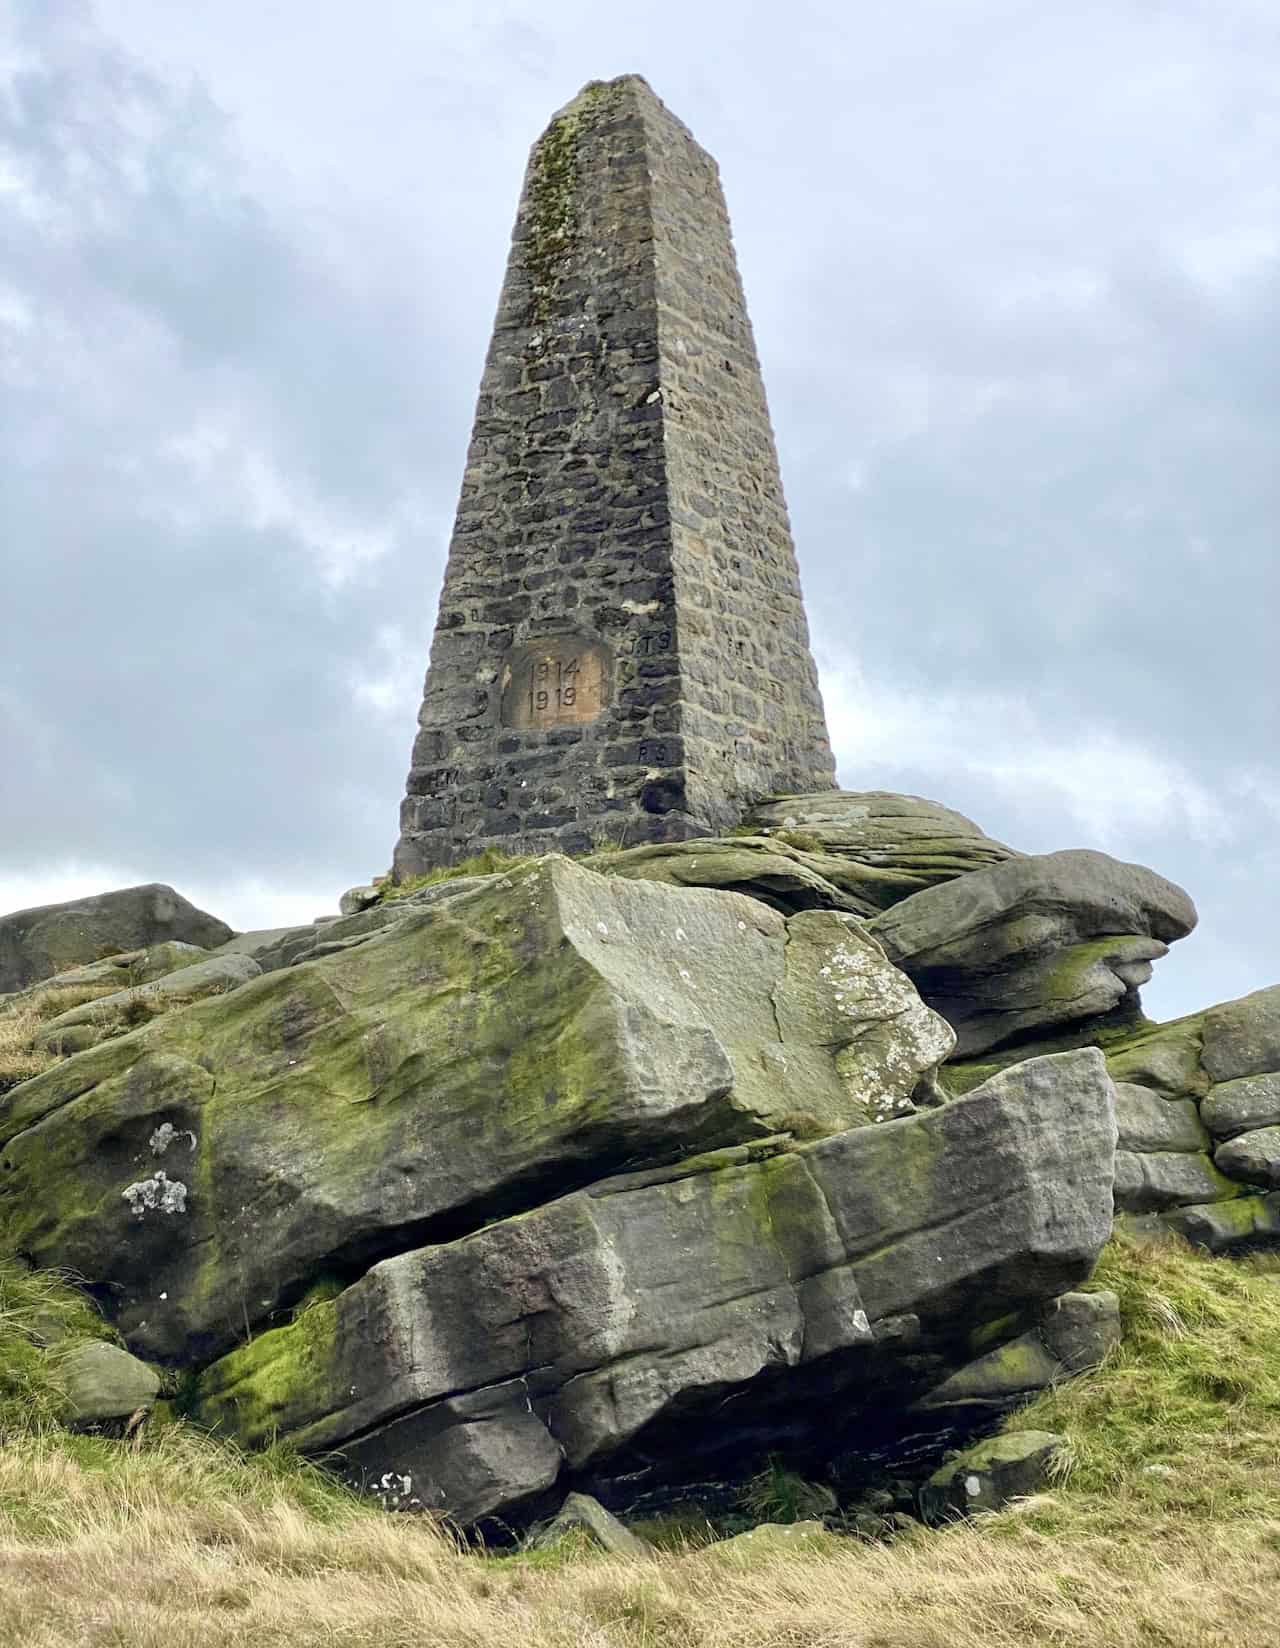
(630, 87)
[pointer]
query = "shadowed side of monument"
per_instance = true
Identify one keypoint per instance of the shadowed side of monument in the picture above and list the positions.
(621, 653)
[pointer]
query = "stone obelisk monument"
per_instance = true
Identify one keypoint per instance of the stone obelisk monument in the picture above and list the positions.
(621, 653)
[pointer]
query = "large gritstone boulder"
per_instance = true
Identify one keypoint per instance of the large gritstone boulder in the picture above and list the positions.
(469, 1060)
(1035, 943)
(35, 944)
(650, 1322)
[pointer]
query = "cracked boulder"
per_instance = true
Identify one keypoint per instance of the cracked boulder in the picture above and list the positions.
(1035, 944)
(472, 1058)
(656, 1320)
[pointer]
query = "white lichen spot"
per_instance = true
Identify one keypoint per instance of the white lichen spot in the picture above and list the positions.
(159, 1194)
(680, 935)
(602, 929)
(685, 975)
(164, 1136)
(742, 926)
(860, 1321)
(972, 1486)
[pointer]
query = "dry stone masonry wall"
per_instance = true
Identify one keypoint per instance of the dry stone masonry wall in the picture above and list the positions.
(621, 653)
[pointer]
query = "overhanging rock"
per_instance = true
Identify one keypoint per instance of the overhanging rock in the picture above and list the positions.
(474, 1058)
(557, 1342)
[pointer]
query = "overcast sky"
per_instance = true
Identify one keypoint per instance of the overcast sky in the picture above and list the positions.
(1013, 273)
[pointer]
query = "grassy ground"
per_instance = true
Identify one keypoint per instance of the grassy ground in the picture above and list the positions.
(1163, 1533)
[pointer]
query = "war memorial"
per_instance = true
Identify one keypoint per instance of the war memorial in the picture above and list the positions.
(666, 1114)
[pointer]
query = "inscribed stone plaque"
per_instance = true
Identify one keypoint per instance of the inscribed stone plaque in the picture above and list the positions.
(563, 681)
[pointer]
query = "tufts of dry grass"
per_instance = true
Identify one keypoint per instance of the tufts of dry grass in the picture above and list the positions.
(185, 1543)
(489, 862)
(23, 1016)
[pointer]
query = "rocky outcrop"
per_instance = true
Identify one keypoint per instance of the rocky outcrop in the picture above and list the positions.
(1035, 944)
(834, 850)
(892, 845)
(613, 1175)
(475, 1056)
(37, 943)
(1198, 1106)
(598, 1332)
(786, 877)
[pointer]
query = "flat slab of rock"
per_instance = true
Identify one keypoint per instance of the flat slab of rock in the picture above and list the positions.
(895, 844)
(1229, 1227)
(37, 943)
(1034, 943)
(1242, 1037)
(552, 1341)
(783, 876)
(766, 1539)
(479, 1053)
(1152, 1181)
(1148, 1121)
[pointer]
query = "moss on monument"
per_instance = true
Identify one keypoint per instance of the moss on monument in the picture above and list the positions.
(551, 191)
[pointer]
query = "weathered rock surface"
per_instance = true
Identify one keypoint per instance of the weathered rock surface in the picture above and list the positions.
(1034, 943)
(1252, 1157)
(1071, 1335)
(766, 1539)
(1189, 1097)
(990, 1474)
(359, 898)
(103, 1382)
(892, 845)
(584, 1515)
(1150, 1182)
(480, 1053)
(1242, 1104)
(212, 976)
(1149, 1122)
(601, 1329)
(1228, 1227)
(37, 943)
(126, 968)
(833, 850)
(783, 876)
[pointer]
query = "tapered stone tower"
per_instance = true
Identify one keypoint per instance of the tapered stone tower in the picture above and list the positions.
(621, 653)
